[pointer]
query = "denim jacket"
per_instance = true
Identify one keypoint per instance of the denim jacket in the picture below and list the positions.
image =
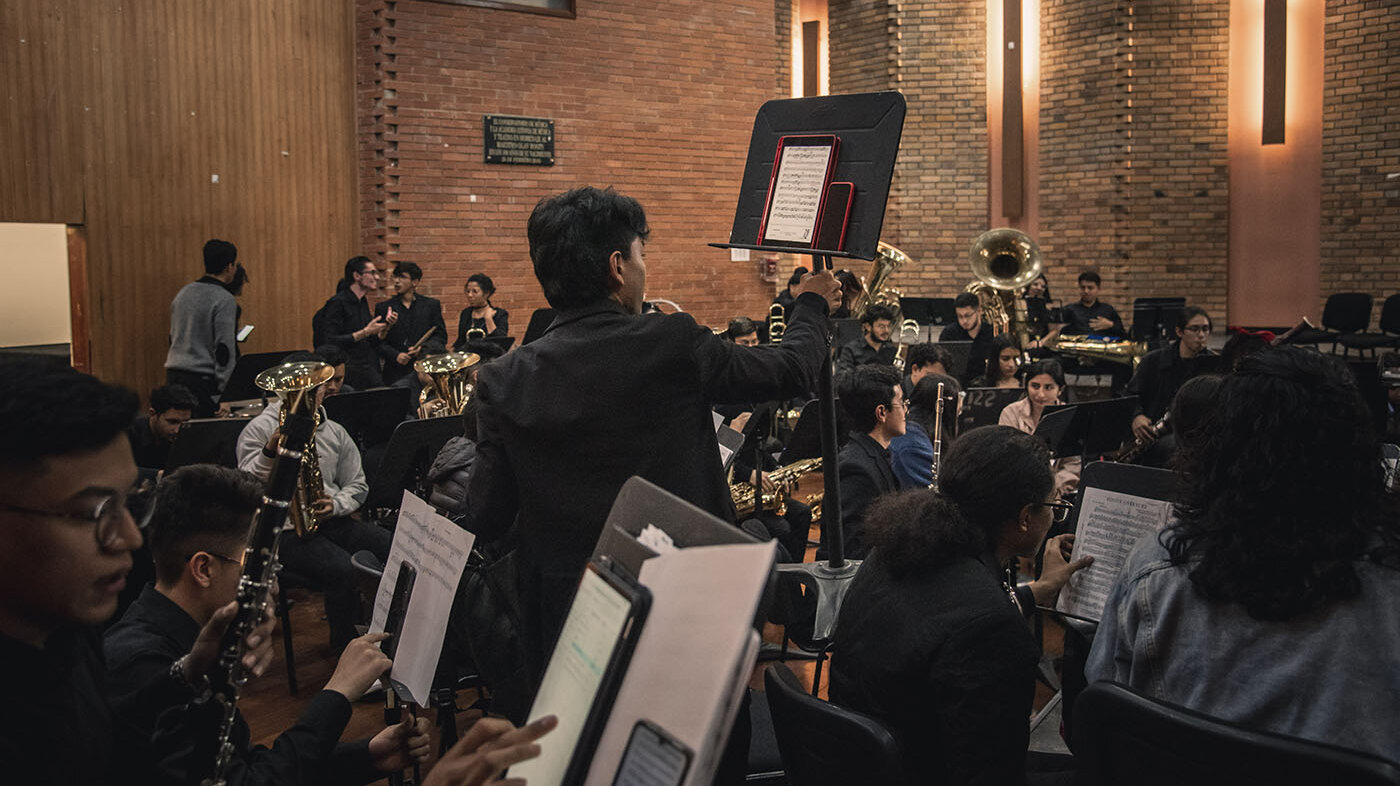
(1331, 675)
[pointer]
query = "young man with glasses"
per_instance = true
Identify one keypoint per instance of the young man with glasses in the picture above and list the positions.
(199, 526)
(345, 320)
(874, 403)
(1162, 372)
(415, 314)
(65, 472)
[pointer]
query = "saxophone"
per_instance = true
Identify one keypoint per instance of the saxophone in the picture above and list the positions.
(289, 381)
(747, 498)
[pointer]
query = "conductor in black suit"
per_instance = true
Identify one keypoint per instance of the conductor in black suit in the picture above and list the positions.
(607, 393)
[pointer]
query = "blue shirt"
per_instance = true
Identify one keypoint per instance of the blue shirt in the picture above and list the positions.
(911, 454)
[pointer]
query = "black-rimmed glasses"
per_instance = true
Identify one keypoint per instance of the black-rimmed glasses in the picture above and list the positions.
(1059, 509)
(107, 516)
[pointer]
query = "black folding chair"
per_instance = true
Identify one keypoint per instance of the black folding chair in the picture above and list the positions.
(826, 745)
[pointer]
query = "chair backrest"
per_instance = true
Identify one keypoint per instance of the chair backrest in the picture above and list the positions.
(1347, 312)
(824, 744)
(368, 572)
(1123, 737)
(1390, 314)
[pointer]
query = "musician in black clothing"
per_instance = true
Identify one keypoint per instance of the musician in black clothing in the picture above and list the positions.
(874, 403)
(1091, 315)
(876, 325)
(971, 327)
(65, 474)
(417, 314)
(154, 432)
(1162, 371)
(198, 530)
(480, 314)
(345, 321)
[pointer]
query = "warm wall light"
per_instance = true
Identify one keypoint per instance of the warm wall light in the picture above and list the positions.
(1275, 69)
(1012, 131)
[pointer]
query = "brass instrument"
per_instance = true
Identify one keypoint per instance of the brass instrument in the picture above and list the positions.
(475, 334)
(875, 289)
(1115, 351)
(937, 439)
(777, 323)
(449, 383)
(295, 385)
(1004, 261)
(906, 327)
(784, 480)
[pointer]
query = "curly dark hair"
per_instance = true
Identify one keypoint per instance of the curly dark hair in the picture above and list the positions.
(988, 475)
(1282, 491)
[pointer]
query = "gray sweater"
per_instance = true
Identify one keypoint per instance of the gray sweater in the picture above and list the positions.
(203, 330)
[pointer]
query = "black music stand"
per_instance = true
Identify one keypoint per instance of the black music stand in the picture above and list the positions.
(1092, 428)
(240, 385)
(929, 310)
(983, 406)
(206, 441)
(412, 448)
(1155, 318)
(869, 126)
(369, 415)
(962, 355)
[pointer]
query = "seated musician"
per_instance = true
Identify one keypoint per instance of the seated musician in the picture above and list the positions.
(970, 327)
(875, 409)
(1269, 600)
(742, 331)
(322, 556)
(1044, 382)
(417, 314)
(198, 530)
(876, 325)
(334, 356)
(480, 319)
(925, 359)
(851, 287)
(929, 639)
(65, 474)
(1162, 371)
(1004, 372)
(1090, 315)
(911, 453)
(154, 432)
(1194, 400)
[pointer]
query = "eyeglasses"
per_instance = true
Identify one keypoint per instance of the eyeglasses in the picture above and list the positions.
(1059, 509)
(1204, 329)
(216, 555)
(107, 515)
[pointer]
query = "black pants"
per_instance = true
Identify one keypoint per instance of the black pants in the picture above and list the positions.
(324, 559)
(204, 387)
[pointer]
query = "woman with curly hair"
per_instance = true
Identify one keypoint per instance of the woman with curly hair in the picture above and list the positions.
(1270, 600)
(931, 640)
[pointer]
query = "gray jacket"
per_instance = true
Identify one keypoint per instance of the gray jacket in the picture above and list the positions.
(203, 330)
(1332, 675)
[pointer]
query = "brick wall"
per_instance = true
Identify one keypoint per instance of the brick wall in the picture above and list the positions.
(782, 47)
(656, 100)
(1134, 177)
(1360, 147)
(933, 52)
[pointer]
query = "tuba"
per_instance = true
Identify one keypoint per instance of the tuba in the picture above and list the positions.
(1004, 261)
(876, 287)
(295, 385)
(450, 379)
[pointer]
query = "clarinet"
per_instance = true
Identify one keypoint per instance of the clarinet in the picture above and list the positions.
(259, 569)
(937, 438)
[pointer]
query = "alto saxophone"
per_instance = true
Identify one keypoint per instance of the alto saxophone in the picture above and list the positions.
(747, 498)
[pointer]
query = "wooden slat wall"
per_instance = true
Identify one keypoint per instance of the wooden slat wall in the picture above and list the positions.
(119, 114)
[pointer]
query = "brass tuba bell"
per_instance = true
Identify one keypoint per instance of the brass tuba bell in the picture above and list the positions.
(1004, 261)
(450, 378)
(295, 385)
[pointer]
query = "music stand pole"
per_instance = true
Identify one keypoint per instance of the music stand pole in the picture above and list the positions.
(832, 528)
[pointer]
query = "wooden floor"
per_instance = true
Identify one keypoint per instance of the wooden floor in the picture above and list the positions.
(269, 708)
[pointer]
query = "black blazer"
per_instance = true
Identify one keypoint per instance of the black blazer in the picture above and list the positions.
(425, 313)
(865, 473)
(604, 395)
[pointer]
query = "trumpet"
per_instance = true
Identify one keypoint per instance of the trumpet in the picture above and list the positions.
(748, 499)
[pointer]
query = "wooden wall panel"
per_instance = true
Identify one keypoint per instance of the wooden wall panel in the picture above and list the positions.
(140, 107)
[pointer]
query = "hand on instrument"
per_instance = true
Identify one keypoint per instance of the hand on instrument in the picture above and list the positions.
(323, 506)
(824, 284)
(1057, 568)
(762, 479)
(1142, 429)
(258, 646)
(401, 745)
(1100, 323)
(404, 358)
(488, 749)
(359, 666)
(224, 411)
